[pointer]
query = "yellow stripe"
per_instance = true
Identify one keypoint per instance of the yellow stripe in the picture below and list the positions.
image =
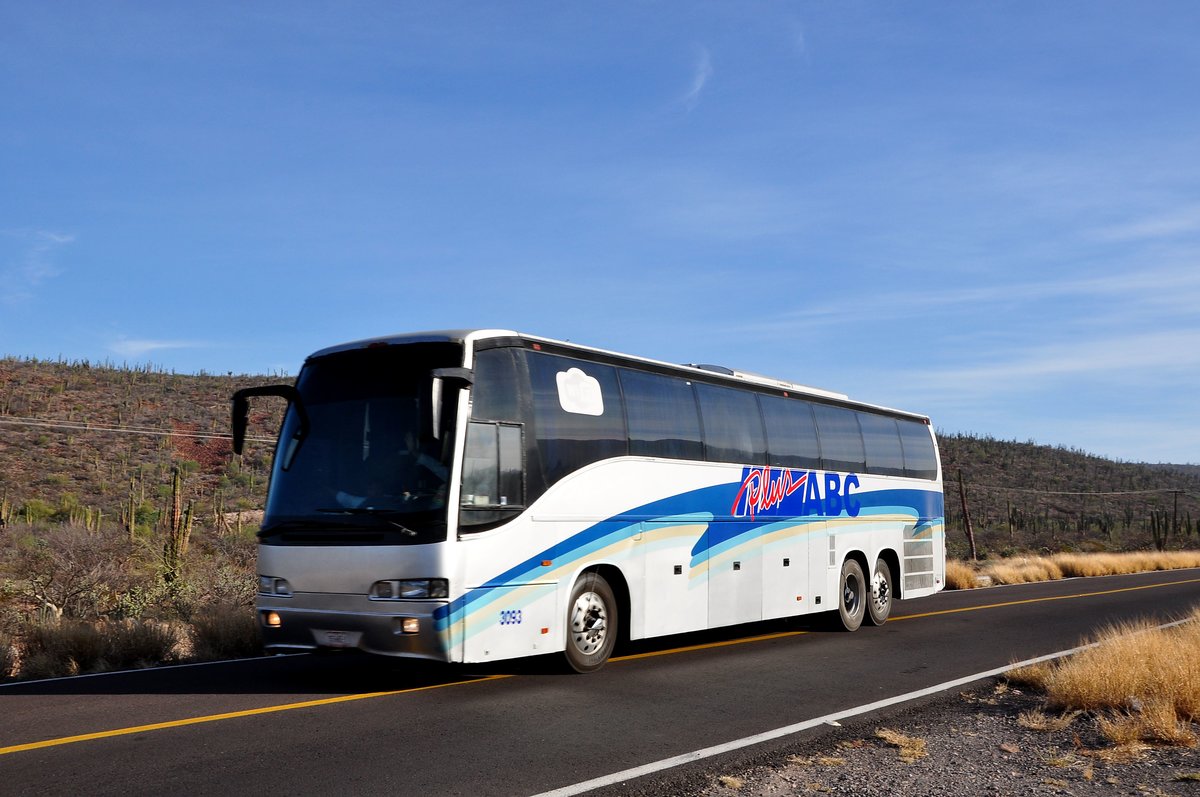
(707, 645)
(158, 726)
(1043, 600)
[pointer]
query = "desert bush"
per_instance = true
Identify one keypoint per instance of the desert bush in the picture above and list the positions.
(1145, 682)
(8, 657)
(225, 632)
(1023, 571)
(959, 575)
(76, 648)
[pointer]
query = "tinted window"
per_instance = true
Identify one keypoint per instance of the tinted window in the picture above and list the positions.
(841, 441)
(496, 393)
(881, 441)
(920, 459)
(791, 433)
(662, 416)
(577, 413)
(733, 431)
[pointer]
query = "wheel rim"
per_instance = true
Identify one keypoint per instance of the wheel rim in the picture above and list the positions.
(589, 623)
(851, 595)
(881, 593)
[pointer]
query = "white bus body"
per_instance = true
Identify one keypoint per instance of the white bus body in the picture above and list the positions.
(570, 495)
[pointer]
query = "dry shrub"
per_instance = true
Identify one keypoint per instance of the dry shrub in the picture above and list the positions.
(1155, 721)
(1039, 721)
(1033, 676)
(910, 748)
(960, 575)
(75, 648)
(8, 657)
(1145, 681)
(1023, 571)
(225, 632)
(1111, 564)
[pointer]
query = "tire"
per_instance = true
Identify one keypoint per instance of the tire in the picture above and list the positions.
(591, 624)
(879, 600)
(852, 596)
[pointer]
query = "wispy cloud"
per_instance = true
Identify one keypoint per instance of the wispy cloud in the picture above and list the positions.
(32, 262)
(140, 347)
(1168, 224)
(1172, 355)
(1154, 289)
(701, 73)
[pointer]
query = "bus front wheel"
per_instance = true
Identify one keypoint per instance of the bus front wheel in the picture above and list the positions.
(852, 596)
(591, 623)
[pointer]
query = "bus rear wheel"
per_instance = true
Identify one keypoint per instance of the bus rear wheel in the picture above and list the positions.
(879, 602)
(852, 596)
(591, 624)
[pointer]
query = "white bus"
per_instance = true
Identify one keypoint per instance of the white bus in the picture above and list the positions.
(471, 496)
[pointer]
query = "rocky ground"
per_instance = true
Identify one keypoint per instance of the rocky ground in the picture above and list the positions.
(970, 743)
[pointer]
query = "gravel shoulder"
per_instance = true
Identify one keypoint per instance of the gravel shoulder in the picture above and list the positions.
(969, 743)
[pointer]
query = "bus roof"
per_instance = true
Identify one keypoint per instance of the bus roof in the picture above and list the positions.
(470, 336)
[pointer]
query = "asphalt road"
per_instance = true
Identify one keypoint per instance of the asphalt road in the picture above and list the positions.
(351, 724)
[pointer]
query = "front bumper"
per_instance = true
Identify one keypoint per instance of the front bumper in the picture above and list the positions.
(312, 621)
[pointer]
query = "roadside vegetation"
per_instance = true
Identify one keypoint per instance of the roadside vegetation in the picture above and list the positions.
(1142, 683)
(1026, 569)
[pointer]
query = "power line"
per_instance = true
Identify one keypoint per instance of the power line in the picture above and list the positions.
(1065, 492)
(40, 423)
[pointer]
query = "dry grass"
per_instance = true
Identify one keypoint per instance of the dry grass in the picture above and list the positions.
(1040, 721)
(959, 575)
(910, 748)
(1027, 569)
(75, 648)
(1142, 681)
(226, 632)
(1023, 570)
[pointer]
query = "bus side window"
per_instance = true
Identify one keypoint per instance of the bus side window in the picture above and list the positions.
(662, 416)
(576, 413)
(493, 473)
(841, 439)
(733, 430)
(791, 433)
(920, 459)
(882, 443)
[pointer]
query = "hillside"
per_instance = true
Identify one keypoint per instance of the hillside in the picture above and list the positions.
(145, 425)
(87, 445)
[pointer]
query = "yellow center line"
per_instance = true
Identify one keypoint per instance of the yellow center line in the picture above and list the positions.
(1043, 600)
(158, 726)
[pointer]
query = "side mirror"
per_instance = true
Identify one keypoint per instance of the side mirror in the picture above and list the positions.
(241, 410)
(444, 378)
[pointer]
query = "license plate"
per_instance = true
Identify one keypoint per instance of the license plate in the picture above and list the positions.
(338, 639)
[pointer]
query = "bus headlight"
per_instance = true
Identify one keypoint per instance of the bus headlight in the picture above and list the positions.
(269, 585)
(410, 589)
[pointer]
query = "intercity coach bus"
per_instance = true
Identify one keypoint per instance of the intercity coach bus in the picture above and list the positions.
(470, 496)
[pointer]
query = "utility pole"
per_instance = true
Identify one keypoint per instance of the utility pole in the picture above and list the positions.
(962, 495)
(1175, 513)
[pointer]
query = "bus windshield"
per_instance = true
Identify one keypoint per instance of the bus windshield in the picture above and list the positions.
(369, 466)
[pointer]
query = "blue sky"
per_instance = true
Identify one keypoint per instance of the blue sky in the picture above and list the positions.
(987, 212)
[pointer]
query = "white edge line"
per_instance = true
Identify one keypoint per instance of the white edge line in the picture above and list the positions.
(788, 730)
(159, 668)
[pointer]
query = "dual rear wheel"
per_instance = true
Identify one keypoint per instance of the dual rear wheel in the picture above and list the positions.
(862, 600)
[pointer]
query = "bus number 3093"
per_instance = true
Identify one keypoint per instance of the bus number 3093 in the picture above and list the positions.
(510, 617)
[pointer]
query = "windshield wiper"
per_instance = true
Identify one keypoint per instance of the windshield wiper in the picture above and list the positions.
(372, 512)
